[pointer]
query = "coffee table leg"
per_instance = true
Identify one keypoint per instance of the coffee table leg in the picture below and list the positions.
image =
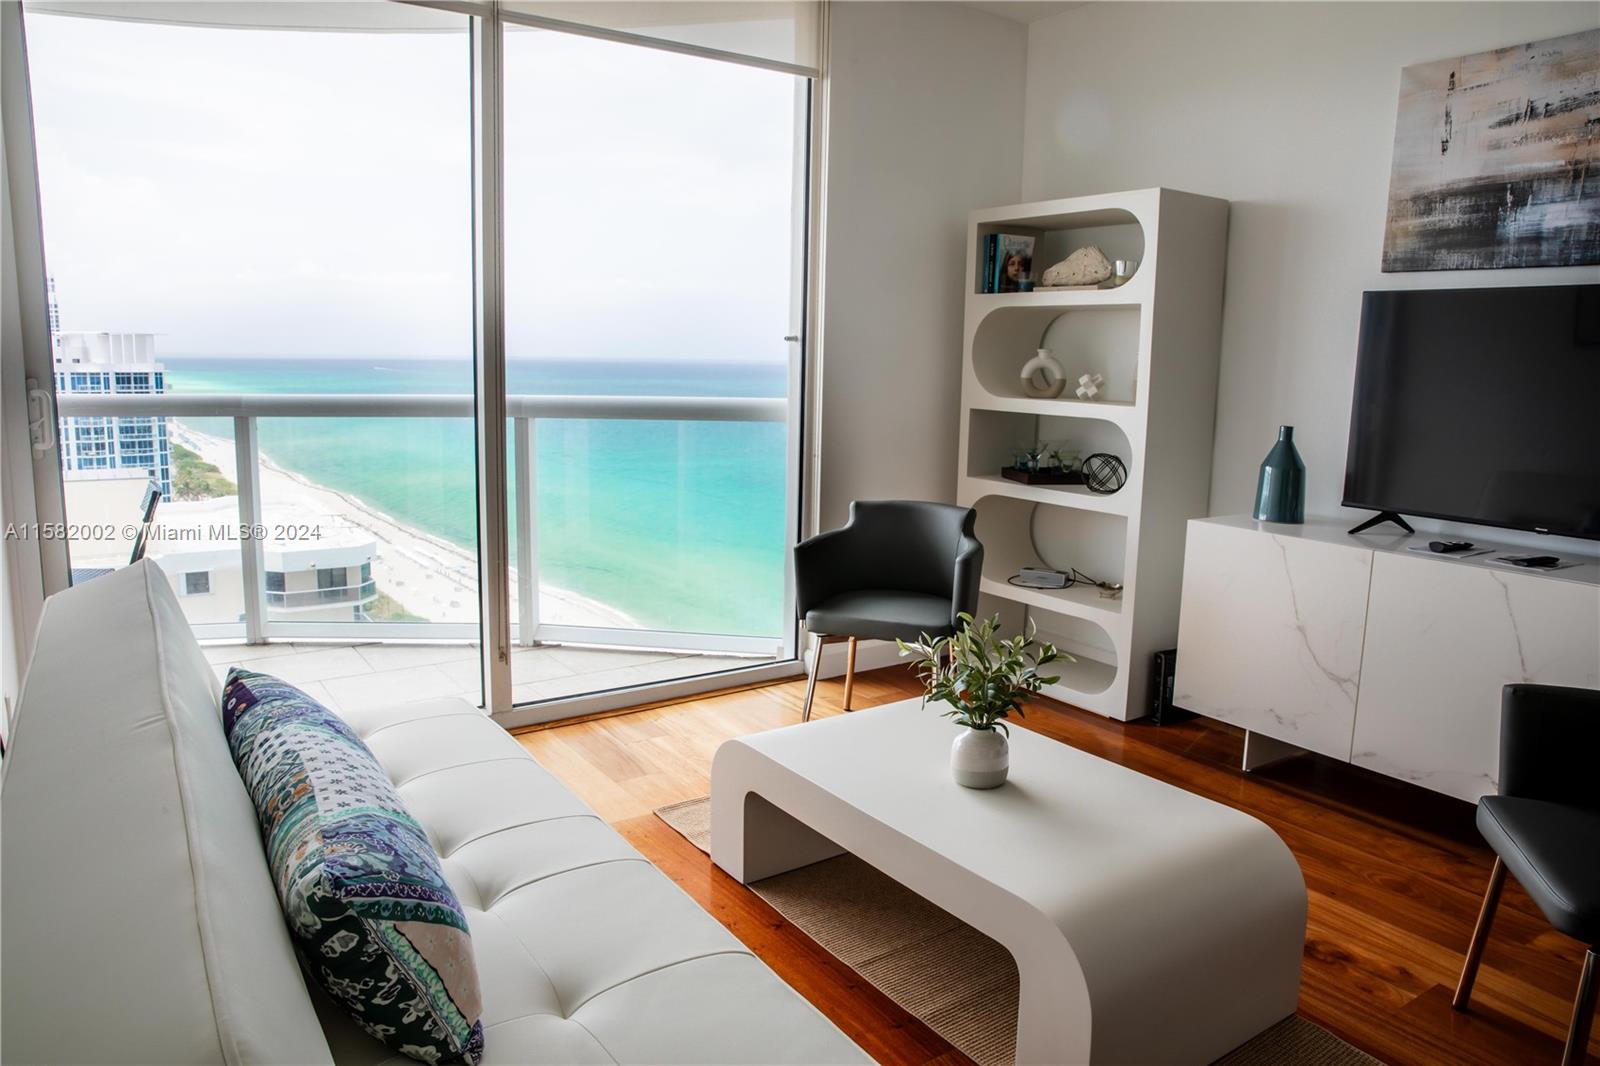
(752, 839)
(1054, 1022)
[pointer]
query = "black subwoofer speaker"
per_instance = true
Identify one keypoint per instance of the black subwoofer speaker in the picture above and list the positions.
(1166, 671)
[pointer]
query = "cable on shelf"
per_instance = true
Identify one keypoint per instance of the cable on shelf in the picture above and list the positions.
(1074, 575)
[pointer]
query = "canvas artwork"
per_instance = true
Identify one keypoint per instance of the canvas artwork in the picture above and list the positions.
(1497, 160)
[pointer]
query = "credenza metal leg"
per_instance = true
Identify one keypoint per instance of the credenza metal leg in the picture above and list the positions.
(1260, 750)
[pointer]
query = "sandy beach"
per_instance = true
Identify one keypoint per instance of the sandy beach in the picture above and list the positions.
(427, 575)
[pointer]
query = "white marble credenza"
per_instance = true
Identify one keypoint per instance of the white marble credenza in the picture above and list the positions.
(1364, 651)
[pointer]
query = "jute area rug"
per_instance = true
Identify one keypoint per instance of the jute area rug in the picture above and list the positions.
(959, 982)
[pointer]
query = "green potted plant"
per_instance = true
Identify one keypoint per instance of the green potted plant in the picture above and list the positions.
(983, 679)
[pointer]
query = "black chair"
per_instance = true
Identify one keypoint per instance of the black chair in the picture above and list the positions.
(1544, 827)
(147, 512)
(897, 569)
(147, 517)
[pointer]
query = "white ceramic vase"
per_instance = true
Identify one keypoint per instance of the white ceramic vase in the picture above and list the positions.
(980, 758)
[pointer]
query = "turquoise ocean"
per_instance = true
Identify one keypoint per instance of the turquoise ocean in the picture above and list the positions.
(680, 524)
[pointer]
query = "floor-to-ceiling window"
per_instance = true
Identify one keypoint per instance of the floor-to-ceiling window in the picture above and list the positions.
(259, 226)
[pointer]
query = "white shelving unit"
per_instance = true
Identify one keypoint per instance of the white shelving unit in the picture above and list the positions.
(1156, 341)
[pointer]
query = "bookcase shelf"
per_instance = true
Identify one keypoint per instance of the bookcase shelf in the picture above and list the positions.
(1134, 536)
(1054, 495)
(1017, 533)
(1066, 406)
(1117, 229)
(995, 437)
(1078, 601)
(1101, 339)
(1129, 295)
(1084, 681)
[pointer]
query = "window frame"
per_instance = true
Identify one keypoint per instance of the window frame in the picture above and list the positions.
(487, 21)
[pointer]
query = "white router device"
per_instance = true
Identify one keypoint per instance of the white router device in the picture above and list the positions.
(1038, 577)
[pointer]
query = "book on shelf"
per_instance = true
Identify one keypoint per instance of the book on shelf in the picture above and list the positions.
(1006, 258)
(1013, 260)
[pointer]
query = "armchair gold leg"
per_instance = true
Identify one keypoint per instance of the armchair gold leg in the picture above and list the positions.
(1480, 935)
(849, 672)
(1582, 1012)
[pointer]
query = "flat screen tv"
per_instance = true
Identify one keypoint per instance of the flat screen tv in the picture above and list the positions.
(1481, 406)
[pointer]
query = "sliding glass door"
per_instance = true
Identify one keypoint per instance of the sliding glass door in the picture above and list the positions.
(265, 230)
(652, 266)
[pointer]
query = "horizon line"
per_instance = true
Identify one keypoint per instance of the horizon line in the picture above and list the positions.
(160, 356)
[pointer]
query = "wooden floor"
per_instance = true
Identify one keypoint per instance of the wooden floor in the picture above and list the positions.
(1395, 875)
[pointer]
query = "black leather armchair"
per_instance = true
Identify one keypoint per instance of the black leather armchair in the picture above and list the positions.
(897, 569)
(1544, 827)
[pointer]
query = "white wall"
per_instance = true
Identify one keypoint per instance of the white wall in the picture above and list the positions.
(925, 124)
(1288, 110)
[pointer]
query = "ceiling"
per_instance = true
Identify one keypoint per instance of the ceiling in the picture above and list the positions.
(1025, 10)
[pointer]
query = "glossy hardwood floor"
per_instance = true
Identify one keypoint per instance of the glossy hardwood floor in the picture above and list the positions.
(1395, 875)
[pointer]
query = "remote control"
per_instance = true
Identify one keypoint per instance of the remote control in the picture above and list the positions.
(1537, 562)
(1445, 547)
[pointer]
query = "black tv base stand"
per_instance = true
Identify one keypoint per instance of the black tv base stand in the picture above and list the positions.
(1382, 517)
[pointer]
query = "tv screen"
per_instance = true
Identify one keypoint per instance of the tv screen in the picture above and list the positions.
(1480, 405)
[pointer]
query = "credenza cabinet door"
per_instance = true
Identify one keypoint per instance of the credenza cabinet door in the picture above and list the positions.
(1270, 634)
(1442, 640)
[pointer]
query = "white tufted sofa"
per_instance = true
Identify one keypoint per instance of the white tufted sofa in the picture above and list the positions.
(140, 922)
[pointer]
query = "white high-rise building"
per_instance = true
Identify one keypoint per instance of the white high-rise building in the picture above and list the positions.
(100, 363)
(55, 310)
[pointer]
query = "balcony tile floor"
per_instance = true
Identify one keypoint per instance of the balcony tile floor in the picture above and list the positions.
(354, 676)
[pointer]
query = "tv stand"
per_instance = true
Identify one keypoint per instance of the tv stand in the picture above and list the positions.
(1382, 517)
(1287, 630)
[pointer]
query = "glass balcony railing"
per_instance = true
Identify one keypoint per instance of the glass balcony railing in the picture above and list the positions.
(413, 583)
(365, 592)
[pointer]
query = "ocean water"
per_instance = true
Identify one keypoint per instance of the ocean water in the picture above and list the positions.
(680, 524)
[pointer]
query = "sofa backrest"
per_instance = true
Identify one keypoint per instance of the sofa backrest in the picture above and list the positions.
(141, 923)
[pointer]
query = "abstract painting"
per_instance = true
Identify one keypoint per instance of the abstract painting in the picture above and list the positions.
(1497, 160)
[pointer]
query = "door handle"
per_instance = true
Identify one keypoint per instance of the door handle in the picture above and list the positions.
(41, 419)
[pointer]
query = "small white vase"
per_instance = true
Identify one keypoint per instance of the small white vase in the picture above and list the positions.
(980, 758)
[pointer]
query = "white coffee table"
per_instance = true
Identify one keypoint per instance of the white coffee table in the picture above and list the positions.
(1149, 925)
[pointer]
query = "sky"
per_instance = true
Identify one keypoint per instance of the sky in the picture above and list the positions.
(251, 192)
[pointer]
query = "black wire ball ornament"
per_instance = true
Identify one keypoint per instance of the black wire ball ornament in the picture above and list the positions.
(1104, 473)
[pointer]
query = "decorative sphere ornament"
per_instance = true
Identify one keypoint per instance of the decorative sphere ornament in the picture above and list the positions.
(1042, 377)
(1089, 386)
(1104, 473)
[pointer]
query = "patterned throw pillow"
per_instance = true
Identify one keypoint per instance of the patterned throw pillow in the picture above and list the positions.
(367, 904)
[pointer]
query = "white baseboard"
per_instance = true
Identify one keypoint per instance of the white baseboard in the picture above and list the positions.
(870, 655)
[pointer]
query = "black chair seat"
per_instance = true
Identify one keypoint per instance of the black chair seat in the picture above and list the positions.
(881, 614)
(1553, 850)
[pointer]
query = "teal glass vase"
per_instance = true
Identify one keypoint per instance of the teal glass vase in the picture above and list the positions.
(1281, 488)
